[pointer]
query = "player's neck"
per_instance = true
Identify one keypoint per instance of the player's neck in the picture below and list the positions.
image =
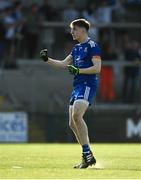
(83, 39)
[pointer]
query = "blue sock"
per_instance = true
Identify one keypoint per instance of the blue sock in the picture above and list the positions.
(85, 148)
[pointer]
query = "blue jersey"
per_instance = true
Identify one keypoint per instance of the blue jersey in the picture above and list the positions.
(82, 58)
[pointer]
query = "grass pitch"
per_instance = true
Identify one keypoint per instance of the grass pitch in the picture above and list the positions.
(122, 161)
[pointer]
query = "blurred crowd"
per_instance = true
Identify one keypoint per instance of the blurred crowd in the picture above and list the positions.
(21, 27)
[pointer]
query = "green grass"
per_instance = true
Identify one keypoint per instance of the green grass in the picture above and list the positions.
(56, 161)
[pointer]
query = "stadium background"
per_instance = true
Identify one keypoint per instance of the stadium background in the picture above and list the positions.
(34, 96)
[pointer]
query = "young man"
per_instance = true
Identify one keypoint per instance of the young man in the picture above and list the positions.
(85, 63)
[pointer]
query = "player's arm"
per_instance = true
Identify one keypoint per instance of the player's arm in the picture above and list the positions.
(95, 69)
(60, 63)
(54, 62)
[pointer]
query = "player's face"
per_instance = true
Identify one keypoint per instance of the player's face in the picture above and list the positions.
(77, 32)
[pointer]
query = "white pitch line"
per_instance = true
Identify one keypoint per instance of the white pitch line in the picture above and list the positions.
(17, 167)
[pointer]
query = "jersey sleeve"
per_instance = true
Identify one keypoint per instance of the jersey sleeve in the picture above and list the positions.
(95, 50)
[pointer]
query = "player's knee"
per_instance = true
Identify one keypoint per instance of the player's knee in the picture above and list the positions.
(76, 116)
(71, 124)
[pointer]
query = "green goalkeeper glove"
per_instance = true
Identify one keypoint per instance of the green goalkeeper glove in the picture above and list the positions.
(44, 55)
(73, 70)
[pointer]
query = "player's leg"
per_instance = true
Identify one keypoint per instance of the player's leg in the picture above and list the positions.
(72, 125)
(79, 108)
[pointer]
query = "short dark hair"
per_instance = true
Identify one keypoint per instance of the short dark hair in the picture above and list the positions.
(81, 23)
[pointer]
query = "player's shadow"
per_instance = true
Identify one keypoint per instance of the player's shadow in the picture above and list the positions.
(117, 169)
